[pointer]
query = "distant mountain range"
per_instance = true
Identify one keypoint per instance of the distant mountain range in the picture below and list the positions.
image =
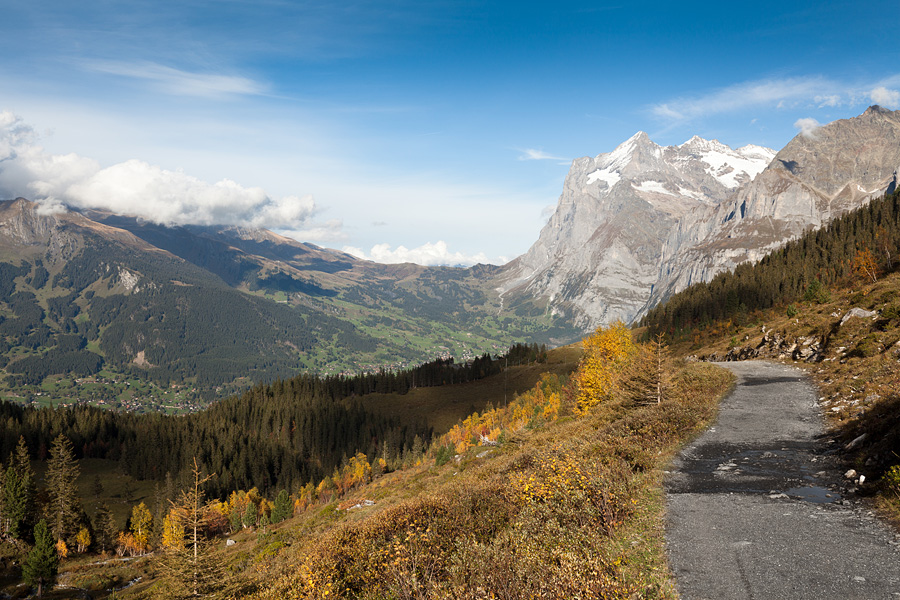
(218, 306)
(209, 307)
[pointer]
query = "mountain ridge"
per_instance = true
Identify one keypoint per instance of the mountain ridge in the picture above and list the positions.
(639, 223)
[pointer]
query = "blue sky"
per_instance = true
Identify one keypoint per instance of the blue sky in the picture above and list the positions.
(444, 127)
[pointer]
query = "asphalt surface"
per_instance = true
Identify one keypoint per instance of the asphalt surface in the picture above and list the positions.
(757, 507)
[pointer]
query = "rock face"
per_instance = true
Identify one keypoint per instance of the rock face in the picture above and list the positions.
(638, 224)
(815, 178)
(598, 257)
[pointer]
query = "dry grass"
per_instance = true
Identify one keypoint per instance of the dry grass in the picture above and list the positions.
(573, 510)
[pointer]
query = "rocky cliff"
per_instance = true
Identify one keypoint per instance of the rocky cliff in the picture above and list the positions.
(598, 257)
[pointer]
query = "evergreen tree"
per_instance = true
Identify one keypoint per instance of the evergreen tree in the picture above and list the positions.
(18, 491)
(105, 529)
(281, 509)
(64, 508)
(42, 564)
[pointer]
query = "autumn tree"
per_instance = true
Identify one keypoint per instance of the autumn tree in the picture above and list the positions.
(42, 563)
(64, 507)
(141, 522)
(865, 266)
(606, 352)
(83, 540)
(193, 570)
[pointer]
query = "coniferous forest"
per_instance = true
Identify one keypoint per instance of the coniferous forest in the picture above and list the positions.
(275, 436)
(802, 269)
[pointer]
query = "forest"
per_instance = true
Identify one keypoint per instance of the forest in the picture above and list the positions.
(861, 242)
(276, 435)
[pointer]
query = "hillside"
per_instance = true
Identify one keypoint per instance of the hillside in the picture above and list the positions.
(124, 314)
(391, 526)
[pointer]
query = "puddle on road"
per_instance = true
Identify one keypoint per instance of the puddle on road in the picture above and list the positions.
(814, 494)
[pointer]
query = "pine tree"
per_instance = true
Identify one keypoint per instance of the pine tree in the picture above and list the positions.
(64, 507)
(42, 564)
(18, 491)
(281, 509)
(105, 529)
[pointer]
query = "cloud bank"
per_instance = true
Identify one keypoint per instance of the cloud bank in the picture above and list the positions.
(437, 254)
(138, 188)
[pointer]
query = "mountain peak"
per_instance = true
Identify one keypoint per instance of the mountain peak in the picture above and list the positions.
(877, 110)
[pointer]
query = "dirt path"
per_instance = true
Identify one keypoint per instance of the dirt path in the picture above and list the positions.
(755, 508)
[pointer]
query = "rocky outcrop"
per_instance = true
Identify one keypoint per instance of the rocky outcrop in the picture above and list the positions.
(777, 346)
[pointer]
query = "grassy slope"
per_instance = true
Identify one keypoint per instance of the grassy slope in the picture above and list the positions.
(857, 376)
(571, 507)
(441, 407)
(574, 506)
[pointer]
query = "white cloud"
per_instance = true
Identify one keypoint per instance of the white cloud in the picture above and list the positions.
(427, 254)
(807, 126)
(778, 92)
(138, 188)
(831, 100)
(885, 97)
(329, 231)
(178, 82)
(532, 154)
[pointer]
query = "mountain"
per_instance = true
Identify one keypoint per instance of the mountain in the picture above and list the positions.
(598, 256)
(199, 309)
(815, 178)
(642, 222)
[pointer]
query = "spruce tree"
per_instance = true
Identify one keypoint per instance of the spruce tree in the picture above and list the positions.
(42, 564)
(64, 507)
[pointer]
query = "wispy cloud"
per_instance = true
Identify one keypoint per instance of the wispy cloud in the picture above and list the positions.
(436, 254)
(532, 154)
(771, 92)
(179, 82)
(885, 97)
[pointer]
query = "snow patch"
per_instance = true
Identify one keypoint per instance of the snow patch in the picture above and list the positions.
(656, 187)
(610, 178)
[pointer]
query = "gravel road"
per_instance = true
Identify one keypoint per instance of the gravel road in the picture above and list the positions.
(756, 507)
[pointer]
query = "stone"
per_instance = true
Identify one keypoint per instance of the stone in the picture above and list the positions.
(851, 474)
(858, 312)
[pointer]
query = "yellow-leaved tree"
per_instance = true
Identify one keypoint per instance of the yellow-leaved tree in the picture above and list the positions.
(606, 352)
(141, 521)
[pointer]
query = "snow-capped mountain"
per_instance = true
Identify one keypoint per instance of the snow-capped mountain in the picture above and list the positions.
(598, 256)
(635, 225)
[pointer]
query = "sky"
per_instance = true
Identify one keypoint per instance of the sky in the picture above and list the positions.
(437, 132)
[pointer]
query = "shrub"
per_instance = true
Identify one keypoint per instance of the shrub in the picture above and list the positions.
(792, 310)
